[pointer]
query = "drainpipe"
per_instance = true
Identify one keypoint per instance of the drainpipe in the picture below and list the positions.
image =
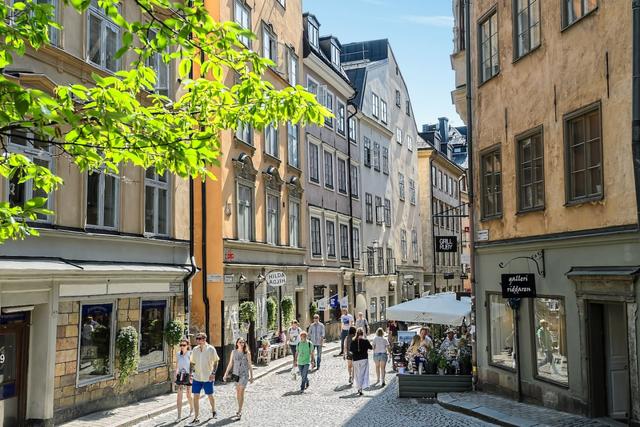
(635, 129)
(473, 265)
(353, 270)
(203, 213)
(192, 259)
(433, 226)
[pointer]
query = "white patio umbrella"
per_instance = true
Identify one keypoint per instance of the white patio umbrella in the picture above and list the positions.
(442, 309)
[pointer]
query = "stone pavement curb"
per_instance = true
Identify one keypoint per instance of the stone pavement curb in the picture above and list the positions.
(476, 411)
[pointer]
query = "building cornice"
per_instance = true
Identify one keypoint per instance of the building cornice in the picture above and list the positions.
(318, 66)
(263, 247)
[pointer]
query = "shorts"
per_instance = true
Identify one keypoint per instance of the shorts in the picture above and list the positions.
(380, 357)
(293, 348)
(199, 385)
(243, 381)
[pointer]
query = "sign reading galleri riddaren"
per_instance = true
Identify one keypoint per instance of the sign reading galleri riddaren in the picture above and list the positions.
(521, 285)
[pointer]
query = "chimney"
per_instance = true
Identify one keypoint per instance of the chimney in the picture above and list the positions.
(443, 127)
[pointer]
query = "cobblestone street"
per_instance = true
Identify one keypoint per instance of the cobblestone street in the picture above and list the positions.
(275, 401)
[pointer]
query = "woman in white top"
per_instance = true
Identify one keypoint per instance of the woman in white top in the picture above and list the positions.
(294, 338)
(183, 375)
(380, 354)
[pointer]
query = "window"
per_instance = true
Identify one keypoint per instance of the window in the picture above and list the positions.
(294, 223)
(353, 132)
(530, 172)
(342, 176)
(153, 316)
(527, 26)
(401, 186)
(387, 212)
(328, 170)
(156, 202)
(318, 294)
(440, 179)
(328, 102)
(313, 87)
(356, 244)
(245, 212)
(375, 105)
(344, 241)
(331, 239)
(54, 33)
(373, 311)
(383, 309)
(316, 237)
(340, 118)
(403, 244)
(355, 187)
(271, 141)
(96, 335)
(371, 266)
(103, 196)
(391, 262)
(282, 3)
(367, 152)
(584, 155)
(408, 108)
(383, 111)
(244, 133)
(242, 17)
(501, 332)
(551, 339)
(489, 59)
(273, 219)
(573, 10)
(103, 38)
(314, 166)
(292, 67)
(161, 69)
(434, 177)
(412, 191)
(398, 101)
(409, 143)
(24, 143)
(376, 156)
(292, 144)
(380, 266)
(385, 160)
(379, 211)
(335, 55)
(269, 44)
(491, 184)
(414, 245)
(399, 135)
(368, 202)
(314, 33)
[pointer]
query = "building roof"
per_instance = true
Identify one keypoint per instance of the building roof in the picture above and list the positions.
(358, 77)
(372, 50)
(323, 53)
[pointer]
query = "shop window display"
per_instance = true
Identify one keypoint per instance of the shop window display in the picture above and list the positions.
(152, 324)
(550, 336)
(96, 332)
(502, 333)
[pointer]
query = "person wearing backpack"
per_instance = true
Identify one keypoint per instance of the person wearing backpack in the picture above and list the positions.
(305, 350)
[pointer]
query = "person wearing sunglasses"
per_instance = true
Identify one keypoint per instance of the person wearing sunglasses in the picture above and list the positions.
(242, 371)
(183, 376)
(204, 358)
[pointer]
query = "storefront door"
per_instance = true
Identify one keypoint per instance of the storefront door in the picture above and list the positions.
(617, 356)
(14, 337)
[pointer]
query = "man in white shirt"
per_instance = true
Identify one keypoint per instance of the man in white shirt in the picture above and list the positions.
(346, 321)
(204, 359)
(316, 335)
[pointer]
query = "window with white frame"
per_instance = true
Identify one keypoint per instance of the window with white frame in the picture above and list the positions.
(331, 238)
(414, 245)
(375, 105)
(385, 160)
(314, 33)
(269, 43)
(379, 211)
(271, 140)
(29, 145)
(355, 186)
(156, 202)
(489, 58)
(398, 104)
(153, 317)
(412, 191)
(387, 212)
(328, 170)
(502, 344)
(103, 38)
(340, 118)
(342, 175)
(399, 135)
(314, 163)
(383, 111)
(356, 243)
(103, 196)
(353, 132)
(383, 309)
(244, 133)
(245, 212)
(408, 108)
(368, 202)
(373, 311)
(292, 144)
(367, 152)
(335, 55)
(292, 67)
(273, 217)
(282, 3)
(344, 241)
(401, 186)
(409, 142)
(403, 244)
(242, 17)
(316, 237)
(376, 156)
(96, 355)
(294, 223)
(328, 103)
(160, 67)
(313, 87)
(54, 33)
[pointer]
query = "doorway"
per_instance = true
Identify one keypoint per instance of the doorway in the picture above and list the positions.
(300, 307)
(14, 354)
(608, 360)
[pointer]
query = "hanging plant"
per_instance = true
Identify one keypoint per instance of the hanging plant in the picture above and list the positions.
(248, 312)
(313, 309)
(287, 310)
(272, 313)
(173, 332)
(127, 345)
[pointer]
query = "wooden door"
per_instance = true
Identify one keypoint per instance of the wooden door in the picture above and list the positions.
(617, 366)
(14, 338)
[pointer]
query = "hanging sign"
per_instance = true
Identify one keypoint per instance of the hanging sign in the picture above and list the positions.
(344, 302)
(334, 301)
(448, 276)
(446, 244)
(276, 278)
(521, 285)
(321, 304)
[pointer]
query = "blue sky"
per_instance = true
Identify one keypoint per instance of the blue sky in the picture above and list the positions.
(420, 32)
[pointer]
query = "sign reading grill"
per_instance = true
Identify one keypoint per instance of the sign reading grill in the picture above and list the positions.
(276, 278)
(521, 285)
(446, 244)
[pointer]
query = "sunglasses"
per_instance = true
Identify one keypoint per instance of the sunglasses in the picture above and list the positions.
(240, 342)
(199, 339)
(183, 345)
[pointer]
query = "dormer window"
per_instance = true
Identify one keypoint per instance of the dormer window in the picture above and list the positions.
(314, 34)
(335, 55)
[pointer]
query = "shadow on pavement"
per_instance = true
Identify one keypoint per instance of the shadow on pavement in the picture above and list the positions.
(343, 387)
(223, 422)
(292, 393)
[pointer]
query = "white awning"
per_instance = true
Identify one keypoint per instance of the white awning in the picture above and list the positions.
(443, 309)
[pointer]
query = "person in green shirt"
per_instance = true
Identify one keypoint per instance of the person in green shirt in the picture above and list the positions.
(305, 351)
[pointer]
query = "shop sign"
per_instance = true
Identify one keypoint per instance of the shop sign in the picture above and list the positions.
(214, 278)
(229, 278)
(344, 302)
(465, 259)
(521, 285)
(482, 235)
(446, 244)
(464, 276)
(276, 278)
(334, 301)
(448, 276)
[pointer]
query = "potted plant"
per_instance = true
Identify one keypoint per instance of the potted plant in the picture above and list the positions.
(127, 345)
(287, 310)
(173, 332)
(247, 315)
(432, 362)
(442, 364)
(313, 309)
(272, 313)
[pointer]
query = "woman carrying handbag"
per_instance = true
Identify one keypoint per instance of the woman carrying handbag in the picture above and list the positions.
(241, 371)
(183, 375)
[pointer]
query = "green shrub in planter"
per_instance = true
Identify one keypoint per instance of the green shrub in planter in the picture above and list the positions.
(248, 312)
(313, 309)
(287, 310)
(174, 332)
(127, 345)
(272, 313)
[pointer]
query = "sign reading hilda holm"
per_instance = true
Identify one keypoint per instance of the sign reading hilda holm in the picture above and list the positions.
(446, 244)
(521, 285)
